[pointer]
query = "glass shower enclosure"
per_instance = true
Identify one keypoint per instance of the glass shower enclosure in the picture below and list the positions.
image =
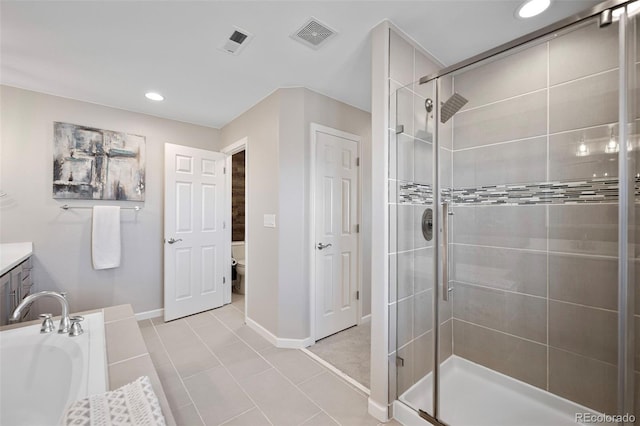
(514, 189)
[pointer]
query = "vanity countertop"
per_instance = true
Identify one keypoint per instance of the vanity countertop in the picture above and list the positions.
(12, 254)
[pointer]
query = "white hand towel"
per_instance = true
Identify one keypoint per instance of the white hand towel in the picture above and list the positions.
(105, 237)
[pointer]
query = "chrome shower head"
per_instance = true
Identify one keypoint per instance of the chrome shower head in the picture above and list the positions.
(451, 107)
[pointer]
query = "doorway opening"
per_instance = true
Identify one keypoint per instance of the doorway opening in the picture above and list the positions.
(238, 234)
(236, 217)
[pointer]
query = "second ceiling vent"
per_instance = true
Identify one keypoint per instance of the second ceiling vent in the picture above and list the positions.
(236, 42)
(313, 33)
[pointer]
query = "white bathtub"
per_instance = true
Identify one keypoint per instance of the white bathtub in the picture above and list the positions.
(41, 373)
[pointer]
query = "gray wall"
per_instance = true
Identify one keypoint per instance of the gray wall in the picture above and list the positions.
(261, 126)
(62, 251)
(293, 265)
(278, 131)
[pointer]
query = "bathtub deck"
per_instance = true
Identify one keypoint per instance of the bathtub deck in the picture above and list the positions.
(128, 357)
(127, 354)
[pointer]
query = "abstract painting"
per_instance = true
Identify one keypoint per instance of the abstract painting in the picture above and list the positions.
(96, 164)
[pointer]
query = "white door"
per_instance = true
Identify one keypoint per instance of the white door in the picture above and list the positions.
(194, 238)
(336, 238)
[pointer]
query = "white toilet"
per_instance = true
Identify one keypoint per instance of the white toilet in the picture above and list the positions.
(237, 252)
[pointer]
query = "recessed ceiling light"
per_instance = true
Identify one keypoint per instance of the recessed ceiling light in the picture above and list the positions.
(154, 96)
(532, 8)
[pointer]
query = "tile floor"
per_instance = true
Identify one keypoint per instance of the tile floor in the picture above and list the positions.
(349, 351)
(215, 370)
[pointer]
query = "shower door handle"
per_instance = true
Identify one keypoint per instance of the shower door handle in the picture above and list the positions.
(445, 251)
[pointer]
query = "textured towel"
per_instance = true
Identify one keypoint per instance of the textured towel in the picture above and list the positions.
(105, 237)
(132, 404)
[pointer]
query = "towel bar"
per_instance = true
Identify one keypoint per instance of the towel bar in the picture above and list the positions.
(67, 207)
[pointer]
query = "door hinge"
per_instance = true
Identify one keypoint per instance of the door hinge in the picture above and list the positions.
(224, 170)
(224, 280)
(399, 361)
(358, 229)
(358, 162)
(224, 224)
(399, 129)
(357, 294)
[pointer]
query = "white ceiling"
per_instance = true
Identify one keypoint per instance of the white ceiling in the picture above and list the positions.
(112, 52)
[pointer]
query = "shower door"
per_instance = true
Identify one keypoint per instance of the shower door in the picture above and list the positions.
(534, 236)
(528, 178)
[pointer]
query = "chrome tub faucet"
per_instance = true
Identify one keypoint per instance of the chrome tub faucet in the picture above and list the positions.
(65, 322)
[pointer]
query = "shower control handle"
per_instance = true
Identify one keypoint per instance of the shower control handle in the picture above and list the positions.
(323, 246)
(427, 224)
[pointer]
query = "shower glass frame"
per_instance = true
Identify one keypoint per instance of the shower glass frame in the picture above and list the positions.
(627, 220)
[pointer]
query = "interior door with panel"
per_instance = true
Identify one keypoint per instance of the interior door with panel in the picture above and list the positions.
(335, 230)
(195, 277)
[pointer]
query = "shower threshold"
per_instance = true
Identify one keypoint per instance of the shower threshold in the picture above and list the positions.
(473, 395)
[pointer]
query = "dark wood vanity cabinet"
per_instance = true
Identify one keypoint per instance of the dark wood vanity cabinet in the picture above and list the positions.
(15, 285)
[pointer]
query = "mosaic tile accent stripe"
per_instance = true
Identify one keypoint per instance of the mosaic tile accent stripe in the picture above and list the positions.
(603, 190)
(415, 193)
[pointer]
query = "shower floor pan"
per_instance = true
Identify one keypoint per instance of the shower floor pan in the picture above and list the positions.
(473, 395)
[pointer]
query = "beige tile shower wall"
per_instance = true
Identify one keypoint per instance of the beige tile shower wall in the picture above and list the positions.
(411, 256)
(536, 286)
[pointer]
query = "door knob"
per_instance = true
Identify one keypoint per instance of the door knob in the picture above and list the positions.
(323, 246)
(173, 240)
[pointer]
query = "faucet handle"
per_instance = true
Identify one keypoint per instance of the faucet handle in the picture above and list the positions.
(76, 328)
(47, 323)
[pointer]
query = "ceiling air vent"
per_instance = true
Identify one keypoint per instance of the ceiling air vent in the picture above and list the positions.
(313, 33)
(236, 41)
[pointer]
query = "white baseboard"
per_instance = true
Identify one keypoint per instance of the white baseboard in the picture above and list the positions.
(278, 342)
(365, 319)
(261, 331)
(149, 314)
(380, 412)
(294, 343)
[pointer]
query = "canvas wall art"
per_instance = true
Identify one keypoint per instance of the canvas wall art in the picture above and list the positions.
(96, 164)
